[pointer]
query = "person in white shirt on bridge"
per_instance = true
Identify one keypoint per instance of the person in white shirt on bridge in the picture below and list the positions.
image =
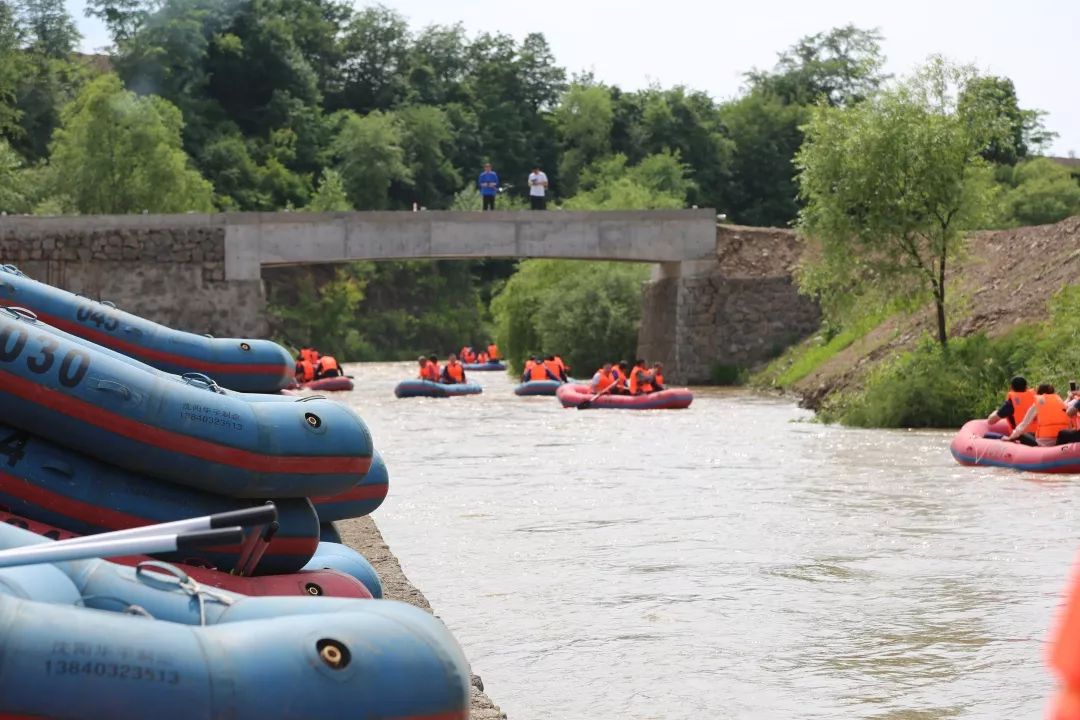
(538, 183)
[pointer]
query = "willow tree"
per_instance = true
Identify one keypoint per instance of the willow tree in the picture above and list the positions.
(892, 184)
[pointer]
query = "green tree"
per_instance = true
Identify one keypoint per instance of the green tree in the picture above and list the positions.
(49, 29)
(119, 153)
(321, 313)
(1043, 192)
(658, 182)
(892, 184)
(766, 134)
(12, 187)
(1019, 133)
(583, 120)
(427, 139)
(371, 158)
(330, 195)
(376, 47)
(842, 66)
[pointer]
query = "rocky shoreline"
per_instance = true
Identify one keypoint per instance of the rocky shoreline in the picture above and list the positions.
(363, 535)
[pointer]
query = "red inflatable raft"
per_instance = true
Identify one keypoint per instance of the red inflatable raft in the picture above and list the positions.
(573, 394)
(340, 383)
(972, 447)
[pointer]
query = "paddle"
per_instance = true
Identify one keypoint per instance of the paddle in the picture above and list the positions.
(101, 546)
(247, 517)
(585, 405)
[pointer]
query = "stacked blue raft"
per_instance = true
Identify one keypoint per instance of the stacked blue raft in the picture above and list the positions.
(95, 440)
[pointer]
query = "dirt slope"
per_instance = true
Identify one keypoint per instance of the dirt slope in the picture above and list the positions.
(1005, 279)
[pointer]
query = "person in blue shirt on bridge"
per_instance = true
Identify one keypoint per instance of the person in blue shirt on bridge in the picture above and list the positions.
(488, 182)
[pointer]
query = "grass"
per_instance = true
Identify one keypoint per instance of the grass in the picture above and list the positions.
(801, 360)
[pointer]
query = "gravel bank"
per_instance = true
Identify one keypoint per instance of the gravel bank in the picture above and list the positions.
(363, 535)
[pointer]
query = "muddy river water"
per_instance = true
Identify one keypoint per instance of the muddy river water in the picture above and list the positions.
(732, 560)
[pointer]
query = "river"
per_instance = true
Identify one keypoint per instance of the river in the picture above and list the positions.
(734, 560)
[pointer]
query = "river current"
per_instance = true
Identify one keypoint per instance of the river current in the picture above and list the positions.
(733, 560)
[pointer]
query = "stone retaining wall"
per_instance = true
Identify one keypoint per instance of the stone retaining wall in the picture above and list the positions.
(174, 276)
(736, 311)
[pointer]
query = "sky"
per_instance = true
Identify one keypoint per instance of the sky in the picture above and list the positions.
(708, 44)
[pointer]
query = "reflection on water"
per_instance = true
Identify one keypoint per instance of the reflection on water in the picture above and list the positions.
(726, 561)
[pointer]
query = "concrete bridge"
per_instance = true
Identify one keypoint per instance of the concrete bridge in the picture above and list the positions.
(202, 272)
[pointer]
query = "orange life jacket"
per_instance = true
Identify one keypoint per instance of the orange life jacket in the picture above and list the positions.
(606, 380)
(309, 354)
(305, 371)
(493, 351)
(538, 371)
(328, 363)
(455, 372)
(434, 371)
(1021, 403)
(552, 366)
(1052, 417)
(483, 357)
(637, 385)
(658, 378)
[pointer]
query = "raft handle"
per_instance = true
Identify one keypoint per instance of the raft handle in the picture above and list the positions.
(20, 313)
(58, 466)
(13, 270)
(108, 303)
(310, 398)
(199, 380)
(333, 653)
(114, 387)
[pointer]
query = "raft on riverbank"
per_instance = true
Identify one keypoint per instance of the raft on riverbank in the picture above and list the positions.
(971, 447)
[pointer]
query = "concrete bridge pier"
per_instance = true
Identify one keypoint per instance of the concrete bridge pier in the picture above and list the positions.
(709, 320)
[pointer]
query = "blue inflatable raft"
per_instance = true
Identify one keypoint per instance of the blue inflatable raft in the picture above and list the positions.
(178, 429)
(358, 501)
(171, 649)
(426, 388)
(52, 484)
(490, 366)
(537, 387)
(342, 558)
(244, 365)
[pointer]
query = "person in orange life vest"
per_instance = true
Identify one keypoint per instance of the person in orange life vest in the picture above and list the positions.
(327, 367)
(483, 358)
(493, 351)
(427, 370)
(1018, 401)
(603, 379)
(467, 355)
(553, 368)
(1072, 410)
(435, 370)
(564, 369)
(309, 354)
(640, 380)
(620, 371)
(453, 373)
(658, 377)
(1050, 412)
(305, 371)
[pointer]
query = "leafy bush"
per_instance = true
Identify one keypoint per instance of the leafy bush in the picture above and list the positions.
(932, 386)
(586, 311)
